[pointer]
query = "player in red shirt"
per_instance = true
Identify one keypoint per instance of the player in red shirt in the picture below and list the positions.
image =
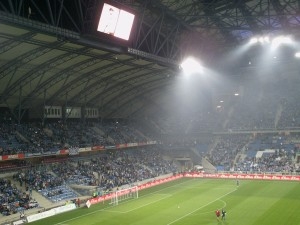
(218, 213)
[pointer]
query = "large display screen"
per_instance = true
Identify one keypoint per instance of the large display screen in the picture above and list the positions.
(115, 21)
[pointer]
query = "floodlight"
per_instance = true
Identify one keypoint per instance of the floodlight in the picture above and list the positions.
(281, 40)
(297, 54)
(190, 66)
(266, 39)
(253, 40)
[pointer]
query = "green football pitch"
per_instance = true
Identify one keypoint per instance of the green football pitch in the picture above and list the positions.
(193, 201)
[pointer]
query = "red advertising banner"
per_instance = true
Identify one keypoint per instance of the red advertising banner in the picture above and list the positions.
(245, 176)
(121, 146)
(99, 199)
(201, 175)
(98, 147)
(16, 156)
(63, 152)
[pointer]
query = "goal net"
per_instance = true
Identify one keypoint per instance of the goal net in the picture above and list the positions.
(121, 195)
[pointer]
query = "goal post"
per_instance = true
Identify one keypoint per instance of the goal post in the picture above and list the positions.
(124, 194)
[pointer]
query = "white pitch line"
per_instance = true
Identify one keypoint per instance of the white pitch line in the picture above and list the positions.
(87, 214)
(166, 196)
(200, 207)
(116, 211)
(224, 205)
(112, 211)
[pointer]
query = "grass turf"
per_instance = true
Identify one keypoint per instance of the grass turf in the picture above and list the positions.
(193, 201)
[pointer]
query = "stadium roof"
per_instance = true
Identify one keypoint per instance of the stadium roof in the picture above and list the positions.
(50, 54)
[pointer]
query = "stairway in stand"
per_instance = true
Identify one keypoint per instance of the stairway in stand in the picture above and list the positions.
(43, 202)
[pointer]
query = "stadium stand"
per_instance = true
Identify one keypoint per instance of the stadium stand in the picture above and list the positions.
(81, 116)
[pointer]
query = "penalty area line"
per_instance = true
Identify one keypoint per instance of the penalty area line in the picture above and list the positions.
(149, 203)
(99, 210)
(200, 207)
(128, 211)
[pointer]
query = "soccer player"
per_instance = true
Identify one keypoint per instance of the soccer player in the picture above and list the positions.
(217, 212)
(223, 214)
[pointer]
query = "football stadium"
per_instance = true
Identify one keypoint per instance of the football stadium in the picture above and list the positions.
(149, 112)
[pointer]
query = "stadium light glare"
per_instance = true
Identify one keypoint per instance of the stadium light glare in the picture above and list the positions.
(266, 39)
(191, 66)
(261, 40)
(276, 42)
(253, 41)
(297, 54)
